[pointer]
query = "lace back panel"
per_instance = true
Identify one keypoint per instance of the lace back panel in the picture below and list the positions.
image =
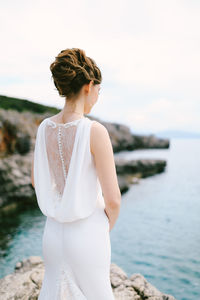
(59, 139)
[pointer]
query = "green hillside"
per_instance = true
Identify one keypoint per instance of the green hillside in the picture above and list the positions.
(22, 105)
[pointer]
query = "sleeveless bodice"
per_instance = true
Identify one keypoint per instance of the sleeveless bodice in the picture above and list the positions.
(66, 182)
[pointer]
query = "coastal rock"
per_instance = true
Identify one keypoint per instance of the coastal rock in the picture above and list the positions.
(123, 139)
(26, 281)
(15, 179)
(136, 287)
(141, 167)
(17, 141)
(14, 134)
(130, 171)
(18, 130)
(15, 176)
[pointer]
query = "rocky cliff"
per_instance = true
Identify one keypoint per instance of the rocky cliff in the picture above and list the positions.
(18, 129)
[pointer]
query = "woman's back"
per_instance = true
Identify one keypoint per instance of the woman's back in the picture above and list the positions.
(66, 182)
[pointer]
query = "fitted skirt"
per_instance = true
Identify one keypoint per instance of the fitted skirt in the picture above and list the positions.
(77, 257)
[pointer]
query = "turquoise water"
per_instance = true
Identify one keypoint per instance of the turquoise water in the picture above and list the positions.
(158, 230)
(157, 233)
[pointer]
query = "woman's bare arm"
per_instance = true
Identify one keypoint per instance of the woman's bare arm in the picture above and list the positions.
(101, 148)
(32, 168)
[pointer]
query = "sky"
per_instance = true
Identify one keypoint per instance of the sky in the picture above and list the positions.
(148, 53)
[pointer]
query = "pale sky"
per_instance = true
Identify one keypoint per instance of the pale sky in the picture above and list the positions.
(148, 53)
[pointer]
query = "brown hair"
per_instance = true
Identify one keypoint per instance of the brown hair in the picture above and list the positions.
(72, 69)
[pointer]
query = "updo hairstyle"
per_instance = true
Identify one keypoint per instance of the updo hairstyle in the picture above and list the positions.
(71, 70)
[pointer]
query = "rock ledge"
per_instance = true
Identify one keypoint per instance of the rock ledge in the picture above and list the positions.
(26, 280)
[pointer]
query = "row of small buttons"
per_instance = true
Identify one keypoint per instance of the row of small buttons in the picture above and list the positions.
(60, 151)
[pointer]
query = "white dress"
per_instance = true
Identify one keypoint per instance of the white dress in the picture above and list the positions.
(76, 240)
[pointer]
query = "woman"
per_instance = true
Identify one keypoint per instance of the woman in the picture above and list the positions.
(75, 181)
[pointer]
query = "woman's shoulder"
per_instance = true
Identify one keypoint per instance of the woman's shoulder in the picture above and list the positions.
(98, 128)
(99, 136)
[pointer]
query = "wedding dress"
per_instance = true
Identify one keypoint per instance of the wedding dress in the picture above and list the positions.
(76, 241)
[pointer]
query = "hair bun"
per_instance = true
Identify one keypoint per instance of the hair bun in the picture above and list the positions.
(72, 69)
